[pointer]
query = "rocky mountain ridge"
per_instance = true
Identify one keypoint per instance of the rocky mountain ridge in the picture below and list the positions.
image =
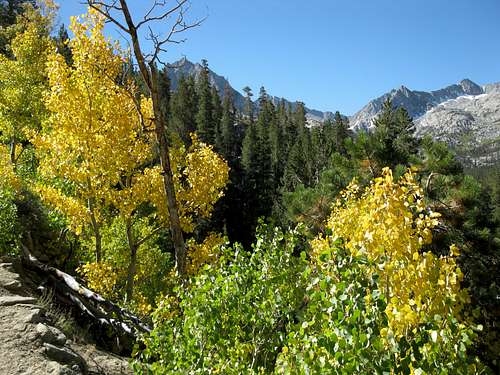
(465, 115)
(186, 68)
(469, 124)
(417, 103)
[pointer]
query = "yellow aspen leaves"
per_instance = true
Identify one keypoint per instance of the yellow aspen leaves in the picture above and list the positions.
(204, 253)
(93, 136)
(23, 79)
(390, 225)
(8, 178)
(97, 140)
(200, 176)
(101, 277)
(97, 154)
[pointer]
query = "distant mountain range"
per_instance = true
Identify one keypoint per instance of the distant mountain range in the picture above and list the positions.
(464, 115)
(470, 124)
(186, 68)
(417, 103)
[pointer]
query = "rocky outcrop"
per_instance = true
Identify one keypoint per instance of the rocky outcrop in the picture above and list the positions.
(468, 124)
(417, 103)
(466, 116)
(30, 344)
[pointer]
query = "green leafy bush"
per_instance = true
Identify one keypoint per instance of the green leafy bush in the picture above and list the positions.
(271, 311)
(342, 329)
(232, 319)
(9, 224)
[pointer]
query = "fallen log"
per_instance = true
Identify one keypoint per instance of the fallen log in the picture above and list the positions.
(112, 326)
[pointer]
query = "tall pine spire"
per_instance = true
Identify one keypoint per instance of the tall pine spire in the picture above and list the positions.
(204, 121)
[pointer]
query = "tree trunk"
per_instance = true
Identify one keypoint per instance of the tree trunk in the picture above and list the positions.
(132, 267)
(96, 230)
(168, 178)
(150, 76)
(115, 328)
(13, 145)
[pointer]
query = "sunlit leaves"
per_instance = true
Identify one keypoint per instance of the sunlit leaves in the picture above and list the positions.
(23, 79)
(200, 254)
(94, 136)
(389, 224)
(200, 176)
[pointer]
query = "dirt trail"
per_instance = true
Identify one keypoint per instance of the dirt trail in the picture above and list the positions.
(30, 345)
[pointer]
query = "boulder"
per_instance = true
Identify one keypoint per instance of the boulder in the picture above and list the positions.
(15, 300)
(50, 335)
(64, 356)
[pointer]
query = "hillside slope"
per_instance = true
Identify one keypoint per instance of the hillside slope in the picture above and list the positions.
(30, 344)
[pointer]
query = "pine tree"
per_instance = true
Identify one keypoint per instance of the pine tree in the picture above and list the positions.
(299, 118)
(318, 153)
(394, 133)
(248, 110)
(229, 146)
(184, 106)
(278, 150)
(329, 137)
(264, 123)
(216, 118)
(298, 170)
(258, 182)
(286, 129)
(205, 126)
(62, 39)
(342, 132)
(249, 157)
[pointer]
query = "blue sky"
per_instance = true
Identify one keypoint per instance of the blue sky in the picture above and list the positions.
(339, 54)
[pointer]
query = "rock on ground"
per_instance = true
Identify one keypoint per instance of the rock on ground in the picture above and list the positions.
(30, 345)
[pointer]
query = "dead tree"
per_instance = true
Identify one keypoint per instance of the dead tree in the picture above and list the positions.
(172, 14)
(114, 328)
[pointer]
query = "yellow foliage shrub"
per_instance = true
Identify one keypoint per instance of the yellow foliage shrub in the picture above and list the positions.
(205, 253)
(9, 180)
(101, 277)
(389, 224)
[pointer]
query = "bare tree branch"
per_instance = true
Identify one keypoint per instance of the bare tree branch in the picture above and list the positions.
(180, 25)
(105, 9)
(148, 18)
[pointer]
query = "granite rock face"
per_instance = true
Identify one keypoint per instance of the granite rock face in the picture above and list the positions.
(469, 124)
(466, 116)
(31, 344)
(417, 103)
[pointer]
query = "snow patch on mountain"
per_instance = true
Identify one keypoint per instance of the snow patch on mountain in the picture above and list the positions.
(470, 124)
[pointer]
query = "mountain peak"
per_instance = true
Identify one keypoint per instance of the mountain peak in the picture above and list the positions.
(185, 67)
(403, 90)
(183, 64)
(417, 103)
(470, 87)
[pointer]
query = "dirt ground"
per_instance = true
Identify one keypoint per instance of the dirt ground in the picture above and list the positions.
(31, 345)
